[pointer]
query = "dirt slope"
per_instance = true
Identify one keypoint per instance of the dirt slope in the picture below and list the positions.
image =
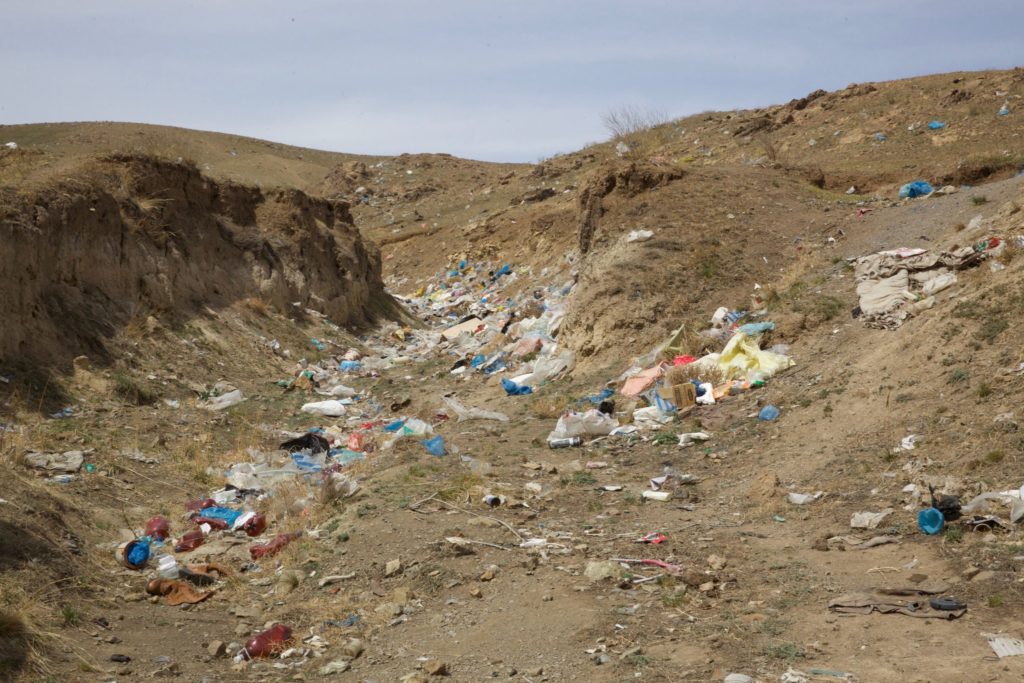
(133, 237)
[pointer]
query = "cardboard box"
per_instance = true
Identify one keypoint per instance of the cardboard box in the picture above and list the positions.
(682, 395)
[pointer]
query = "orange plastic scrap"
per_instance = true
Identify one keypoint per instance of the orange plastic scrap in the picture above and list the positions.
(176, 592)
(638, 384)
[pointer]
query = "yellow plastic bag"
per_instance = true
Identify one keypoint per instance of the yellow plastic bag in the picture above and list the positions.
(742, 359)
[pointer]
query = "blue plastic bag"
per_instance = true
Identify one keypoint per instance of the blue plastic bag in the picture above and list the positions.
(604, 395)
(435, 445)
(306, 462)
(917, 188)
(226, 514)
(756, 328)
(136, 553)
(350, 365)
(768, 413)
(930, 521)
(936, 125)
(513, 389)
(394, 426)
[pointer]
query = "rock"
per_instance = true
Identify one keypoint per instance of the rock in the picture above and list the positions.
(353, 648)
(476, 593)
(716, 562)
(535, 672)
(457, 545)
(242, 630)
(389, 609)
(435, 667)
(217, 648)
(336, 667)
(233, 647)
(738, 678)
(602, 659)
(251, 613)
(985, 575)
(489, 573)
(764, 487)
(693, 578)
(392, 567)
(287, 582)
(601, 570)
(632, 651)
(706, 587)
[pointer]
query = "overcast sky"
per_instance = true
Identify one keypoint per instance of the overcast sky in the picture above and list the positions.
(512, 80)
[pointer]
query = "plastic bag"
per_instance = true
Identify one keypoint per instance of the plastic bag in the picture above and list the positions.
(549, 367)
(435, 446)
(917, 188)
(513, 389)
(590, 423)
(327, 408)
(741, 357)
(465, 413)
(232, 398)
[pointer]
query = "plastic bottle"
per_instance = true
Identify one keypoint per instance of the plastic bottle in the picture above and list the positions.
(158, 528)
(269, 642)
(168, 567)
(565, 443)
(201, 504)
(190, 541)
(274, 546)
(254, 525)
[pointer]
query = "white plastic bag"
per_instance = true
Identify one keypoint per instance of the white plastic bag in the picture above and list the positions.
(591, 423)
(327, 408)
(465, 413)
(232, 398)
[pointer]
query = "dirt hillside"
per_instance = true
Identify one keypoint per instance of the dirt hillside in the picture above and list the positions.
(445, 539)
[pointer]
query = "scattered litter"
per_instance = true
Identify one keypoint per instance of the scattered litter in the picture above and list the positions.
(640, 235)
(803, 498)
(869, 520)
(1005, 646)
(223, 401)
(916, 188)
(691, 438)
(332, 408)
(930, 521)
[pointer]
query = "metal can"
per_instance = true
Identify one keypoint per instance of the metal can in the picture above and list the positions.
(565, 443)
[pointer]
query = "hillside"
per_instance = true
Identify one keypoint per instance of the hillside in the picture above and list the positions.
(447, 539)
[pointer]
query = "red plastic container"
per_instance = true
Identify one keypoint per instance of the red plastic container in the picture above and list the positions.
(256, 525)
(158, 528)
(201, 504)
(269, 642)
(218, 524)
(190, 541)
(274, 546)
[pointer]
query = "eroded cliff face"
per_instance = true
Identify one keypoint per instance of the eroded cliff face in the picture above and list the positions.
(132, 236)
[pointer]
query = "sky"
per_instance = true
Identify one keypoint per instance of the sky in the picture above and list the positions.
(513, 80)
